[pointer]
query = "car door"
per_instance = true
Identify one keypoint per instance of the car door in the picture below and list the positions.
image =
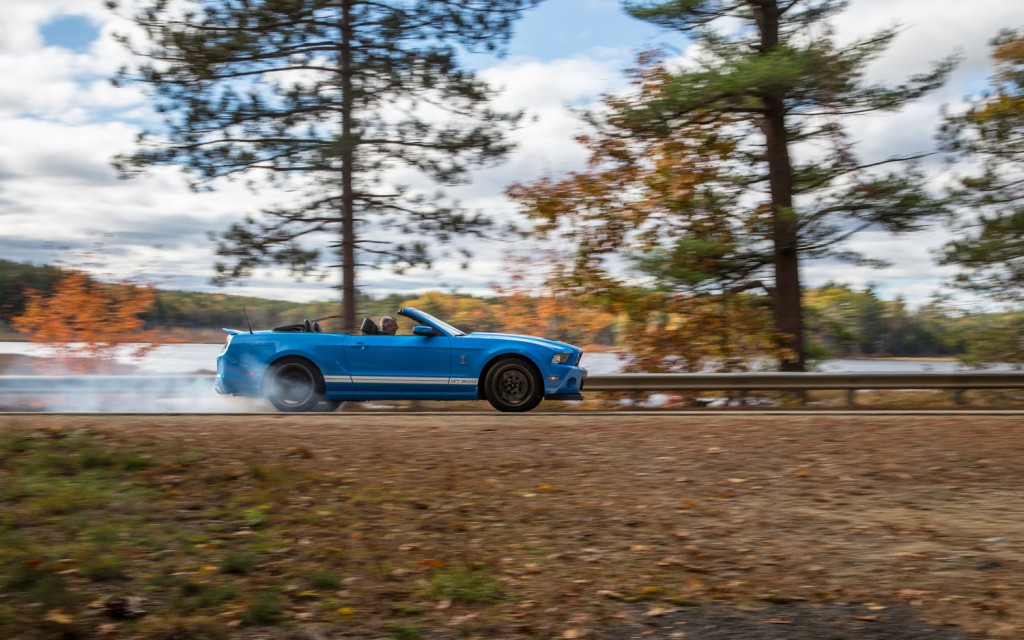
(399, 366)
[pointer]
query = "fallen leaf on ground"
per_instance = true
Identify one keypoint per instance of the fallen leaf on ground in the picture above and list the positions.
(654, 612)
(59, 617)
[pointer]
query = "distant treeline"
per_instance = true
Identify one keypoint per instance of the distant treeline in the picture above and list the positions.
(182, 309)
(841, 321)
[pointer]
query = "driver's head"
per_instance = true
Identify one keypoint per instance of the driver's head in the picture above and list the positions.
(388, 325)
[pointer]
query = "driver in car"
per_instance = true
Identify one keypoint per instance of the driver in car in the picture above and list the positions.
(388, 325)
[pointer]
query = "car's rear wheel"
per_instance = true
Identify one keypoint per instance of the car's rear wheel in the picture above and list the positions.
(294, 384)
(513, 385)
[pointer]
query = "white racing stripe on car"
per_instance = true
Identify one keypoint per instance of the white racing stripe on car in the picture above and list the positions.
(400, 380)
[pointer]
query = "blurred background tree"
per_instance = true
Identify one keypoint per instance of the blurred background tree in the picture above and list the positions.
(845, 322)
(990, 218)
(769, 78)
(88, 323)
(325, 98)
(659, 207)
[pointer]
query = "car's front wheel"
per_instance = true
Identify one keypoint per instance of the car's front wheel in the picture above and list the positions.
(294, 384)
(513, 385)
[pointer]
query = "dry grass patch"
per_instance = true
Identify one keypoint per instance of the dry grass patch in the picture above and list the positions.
(503, 526)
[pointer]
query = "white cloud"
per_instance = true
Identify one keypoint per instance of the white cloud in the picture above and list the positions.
(913, 271)
(931, 30)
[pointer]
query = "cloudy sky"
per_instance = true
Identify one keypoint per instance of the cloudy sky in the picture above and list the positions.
(61, 121)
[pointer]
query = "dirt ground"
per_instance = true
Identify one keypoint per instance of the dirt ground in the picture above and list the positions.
(695, 527)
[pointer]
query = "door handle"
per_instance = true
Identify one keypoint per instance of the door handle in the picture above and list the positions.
(358, 345)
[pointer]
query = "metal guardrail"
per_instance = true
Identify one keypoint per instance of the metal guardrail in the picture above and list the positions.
(637, 382)
(771, 381)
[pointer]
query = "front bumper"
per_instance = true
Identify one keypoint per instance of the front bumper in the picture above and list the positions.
(565, 382)
(565, 397)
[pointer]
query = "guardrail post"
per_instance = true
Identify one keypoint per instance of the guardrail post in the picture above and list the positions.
(851, 397)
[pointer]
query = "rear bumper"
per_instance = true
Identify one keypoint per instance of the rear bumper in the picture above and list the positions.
(232, 380)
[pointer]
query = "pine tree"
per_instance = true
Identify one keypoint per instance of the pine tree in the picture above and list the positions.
(991, 130)
(771, 76)
(325, 98)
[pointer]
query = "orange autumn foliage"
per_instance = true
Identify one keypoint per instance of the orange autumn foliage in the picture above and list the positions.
(86, 321)
(538, 308)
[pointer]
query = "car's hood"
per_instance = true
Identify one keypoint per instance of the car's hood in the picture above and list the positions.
(554, 344)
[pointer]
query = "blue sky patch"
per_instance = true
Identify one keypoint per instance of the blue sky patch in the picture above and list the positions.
(70, 32)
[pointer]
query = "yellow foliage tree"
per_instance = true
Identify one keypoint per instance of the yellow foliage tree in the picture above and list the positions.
(86, 321)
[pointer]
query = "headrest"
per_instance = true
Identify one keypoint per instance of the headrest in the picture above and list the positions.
(369, 327)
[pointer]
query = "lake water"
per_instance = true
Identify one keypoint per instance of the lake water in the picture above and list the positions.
(183, 359)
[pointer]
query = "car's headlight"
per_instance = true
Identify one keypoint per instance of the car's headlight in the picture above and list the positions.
(560, 358)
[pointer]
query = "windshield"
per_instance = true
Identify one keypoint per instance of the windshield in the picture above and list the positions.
(444, 326)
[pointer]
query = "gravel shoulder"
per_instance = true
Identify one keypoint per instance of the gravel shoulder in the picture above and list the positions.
(696, 527)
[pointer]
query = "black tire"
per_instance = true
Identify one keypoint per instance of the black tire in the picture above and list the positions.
(513, 385)
(294, 384)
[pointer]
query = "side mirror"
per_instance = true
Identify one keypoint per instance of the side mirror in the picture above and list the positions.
(423, 330)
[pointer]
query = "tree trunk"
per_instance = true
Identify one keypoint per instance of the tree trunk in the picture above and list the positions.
(787, 300)
(348, 240)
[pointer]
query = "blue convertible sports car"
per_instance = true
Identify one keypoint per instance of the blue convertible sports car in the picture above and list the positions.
(298, 368)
